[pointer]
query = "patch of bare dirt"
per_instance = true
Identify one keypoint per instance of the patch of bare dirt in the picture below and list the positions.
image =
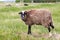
(48, 35)
(57, 36)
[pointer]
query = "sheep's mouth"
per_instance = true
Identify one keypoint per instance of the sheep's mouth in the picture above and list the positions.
(23, 19)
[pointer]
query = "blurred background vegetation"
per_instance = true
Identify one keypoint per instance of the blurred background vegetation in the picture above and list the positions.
(38, 1)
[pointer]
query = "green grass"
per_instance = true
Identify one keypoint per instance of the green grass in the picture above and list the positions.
(13, 28)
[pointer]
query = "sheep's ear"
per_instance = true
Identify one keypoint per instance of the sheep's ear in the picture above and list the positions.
(19, 12)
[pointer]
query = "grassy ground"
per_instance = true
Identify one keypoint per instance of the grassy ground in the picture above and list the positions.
(13, 28)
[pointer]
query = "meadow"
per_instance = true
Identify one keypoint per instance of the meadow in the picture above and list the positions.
(13, 28)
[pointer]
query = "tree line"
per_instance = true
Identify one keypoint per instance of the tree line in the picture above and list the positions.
(37, 1)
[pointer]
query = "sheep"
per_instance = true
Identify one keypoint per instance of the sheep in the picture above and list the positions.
(39, 17)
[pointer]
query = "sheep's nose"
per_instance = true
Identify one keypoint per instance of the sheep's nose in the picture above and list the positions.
(22, 16)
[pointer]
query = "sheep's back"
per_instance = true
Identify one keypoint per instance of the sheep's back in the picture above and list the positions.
(42, 16)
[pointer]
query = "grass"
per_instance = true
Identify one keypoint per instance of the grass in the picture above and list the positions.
(13, 28)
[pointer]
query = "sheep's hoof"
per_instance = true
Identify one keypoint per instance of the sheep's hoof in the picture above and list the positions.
(29, 33)
(50, 34)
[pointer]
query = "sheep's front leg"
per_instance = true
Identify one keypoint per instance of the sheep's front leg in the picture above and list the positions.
(29, 29)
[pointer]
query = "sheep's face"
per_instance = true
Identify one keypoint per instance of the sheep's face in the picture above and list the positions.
(23, 15)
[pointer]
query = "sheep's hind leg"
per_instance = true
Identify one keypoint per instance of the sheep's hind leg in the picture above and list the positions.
(51, 24)
(29, 29)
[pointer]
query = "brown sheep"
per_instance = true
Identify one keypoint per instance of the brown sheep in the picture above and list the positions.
(38, 17)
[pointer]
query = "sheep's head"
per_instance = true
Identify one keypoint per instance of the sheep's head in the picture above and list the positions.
(23, 15)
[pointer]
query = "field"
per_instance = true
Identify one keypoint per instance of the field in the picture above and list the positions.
(13, 28)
